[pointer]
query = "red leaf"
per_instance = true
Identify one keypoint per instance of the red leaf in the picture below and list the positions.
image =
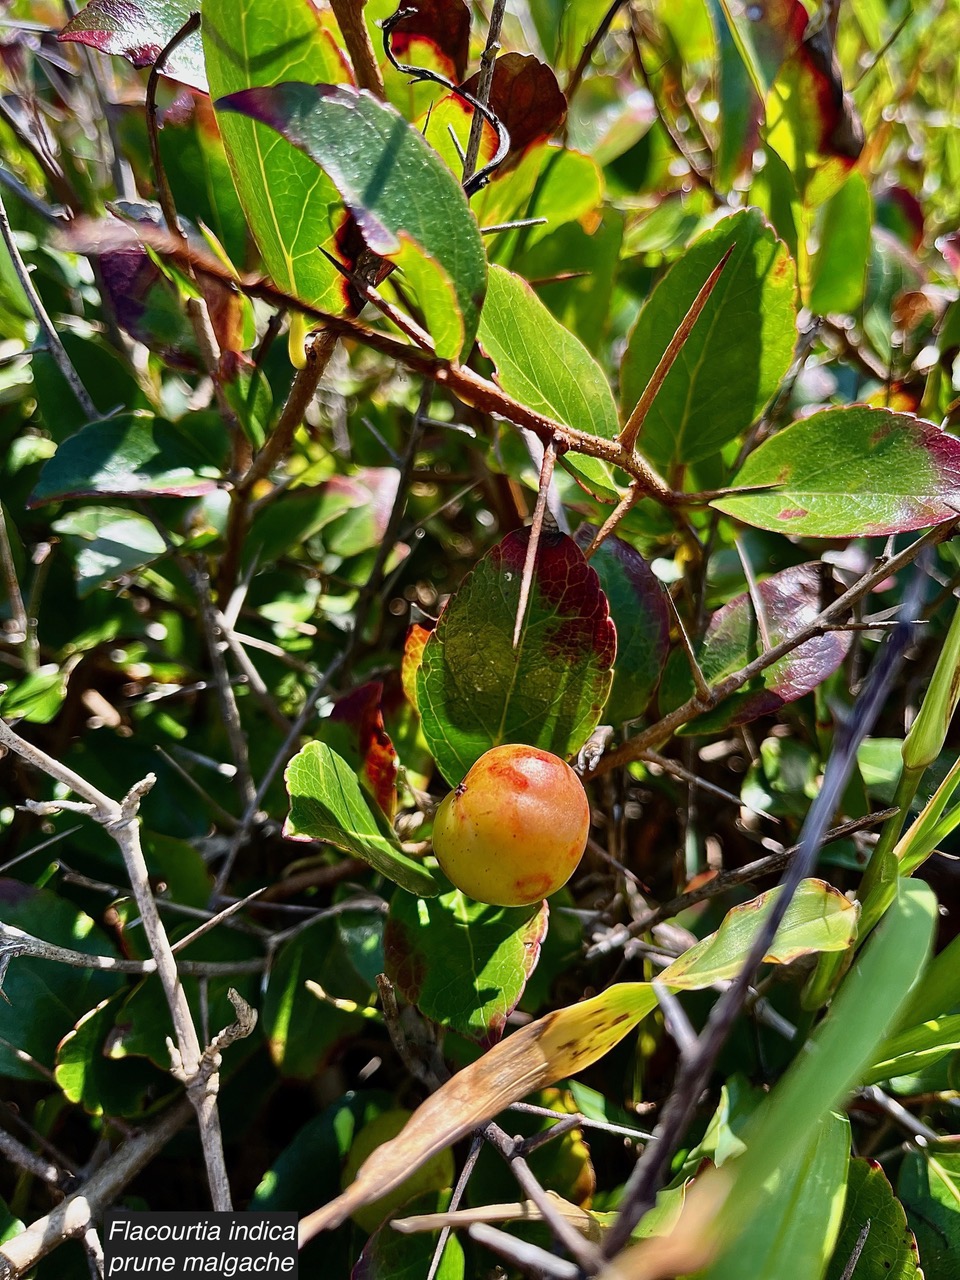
(360, 711)
(444, 26)
(139, 30)
(525, 95)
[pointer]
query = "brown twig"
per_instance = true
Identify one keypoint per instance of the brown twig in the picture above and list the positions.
(824, 621)
(275, 449)
(349, 16)
(628, 436)
(723, 882)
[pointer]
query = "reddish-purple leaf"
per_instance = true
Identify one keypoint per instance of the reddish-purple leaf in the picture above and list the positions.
(790, 601)
(358, 734)
(139, 30)
(462, 963)
(146, 305)
(638, 607)
(476, 690)
(525, 95)
(440, 28)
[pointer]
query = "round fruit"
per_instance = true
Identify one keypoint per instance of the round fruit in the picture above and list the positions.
(435, 1175)
(515, 828)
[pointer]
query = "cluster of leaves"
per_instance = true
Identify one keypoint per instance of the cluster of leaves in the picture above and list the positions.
(614, 417)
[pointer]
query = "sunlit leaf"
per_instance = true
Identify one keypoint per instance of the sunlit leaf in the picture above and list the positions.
(819, 918)
(855, 472)
(139, 30)
(326, 803)
(545, 367)
(133, 455)
(890, 1250)
(490, 951)
(407, 204)
(738, 351)
(292, 208)
(790, 601)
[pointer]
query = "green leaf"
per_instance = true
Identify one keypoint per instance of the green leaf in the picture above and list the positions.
(737, 353)
(302, 1029)
(929, 1189)
(841, 1048)
(36, 698)
(108, 543)
(395, 1255)
(839, 270)
(45, 999)
(291, 207)
(848, 473)
(890, 1250)
(326, 803)
(541, 364)
(819, 918)
(133, 455)
(475, 691)
(790, 601)
(639, 611)
(741, 104)
(89, 1075)
(308, 1169)
(462, 963)
(138, 30)
(407, 203)
(798, 1214)
(916, 1048)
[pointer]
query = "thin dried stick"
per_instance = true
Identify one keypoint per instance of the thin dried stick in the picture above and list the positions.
(488, 61)
(530, 559)
(74, 1216)
(120, 820)
(628, 436)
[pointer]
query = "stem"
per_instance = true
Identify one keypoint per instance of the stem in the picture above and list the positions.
(349, 16)
(824, 621)
(75, 1215)
(120, 821)
(488, 62)
(51, 338)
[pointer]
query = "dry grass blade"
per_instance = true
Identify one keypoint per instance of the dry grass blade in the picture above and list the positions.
(553, 1047)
